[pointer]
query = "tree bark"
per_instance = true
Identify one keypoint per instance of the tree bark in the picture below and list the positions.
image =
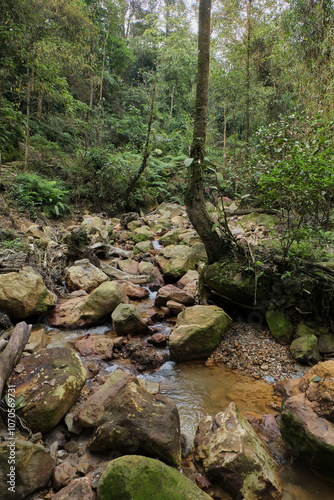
(12, 353)
(248, 10)
(194, 199)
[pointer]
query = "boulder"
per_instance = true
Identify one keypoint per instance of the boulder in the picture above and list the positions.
(171, 292)
(260, 219)
(127, 320)
(234, 457)
(33, 466)
(305, 349)
(175, 260)
(93, 225)
(50, 381)
(95, 410)
(95, 346)
(167, 209)
(143, 356)
(149, 269)
(142, 478)
(129, 266)
(198, 331)
(79, 489)
(172, 236)
(23, 294)
(139, 422)
(142, 247)
(84, 276)
(38, 339)
(326, 343)
(189, 278)
(88, 310)
(159, 225)
(133, 291)
(307, 418)
(142, 233)
(62, 475)
(280, 326)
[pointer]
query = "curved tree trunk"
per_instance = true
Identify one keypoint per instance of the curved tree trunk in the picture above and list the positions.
(194, 200)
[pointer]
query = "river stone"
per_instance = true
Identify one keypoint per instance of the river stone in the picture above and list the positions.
(159, 225)
(37, 340)
(167, 209)
(143, 478)
(127, 320)
(280, 326)
(142, 233)
(234, 457)
(304, 349)
(95, 346)
(23, 294)
(88, 310)
(171, 292)
(198, 331)
(93, 225)
(84, 276)
(95, 410)
(307, 418)
(175, 260)
(33, 468)
(79, 489)
(142, 247)
(140, 422)
(129, 266)
(133, 291)
(172, 236)
(149, 269)
(50, 381)
(326, 343)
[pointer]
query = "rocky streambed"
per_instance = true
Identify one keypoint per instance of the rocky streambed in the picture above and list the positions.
(99, 388)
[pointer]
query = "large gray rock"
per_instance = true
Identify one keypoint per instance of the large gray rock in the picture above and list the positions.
(84, 276)
(140, 478)
(127, 320)
(139, 422)
(305, 349)
(175, 260)
(198, 331)
(24, 294)
(89, 310)
(234, 457)
(50, 382)
(307, 418)
(33, 466)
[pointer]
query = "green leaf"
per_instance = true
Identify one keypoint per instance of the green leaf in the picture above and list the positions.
(188, 162)
(316, 379)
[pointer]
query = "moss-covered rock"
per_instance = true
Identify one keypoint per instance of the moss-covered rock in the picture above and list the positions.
(305, 349)
(198, 331)
(326, 343)
(280, 325)
(175, 260)
(172, 236)
(50, 382)
(127, 320)
(142, 478)
(260, 219)
(23, 294)
(142, 233)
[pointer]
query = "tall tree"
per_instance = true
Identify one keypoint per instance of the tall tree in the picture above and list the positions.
(194, 199)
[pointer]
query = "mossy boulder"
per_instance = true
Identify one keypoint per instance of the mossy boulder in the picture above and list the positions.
(234, 457)
(128, 321)
(50, 382)
(143, 478)
(84, 276)
(260, 219)
(23, 294)
(198, 331)
(142, 233)
(142, 247)
(33, 466)
(280, 325)
(175, 260)
(305, 349)
(172, 236)
(326, 343)
(307, 418)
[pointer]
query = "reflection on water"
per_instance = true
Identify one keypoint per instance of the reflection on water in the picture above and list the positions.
(198, 391)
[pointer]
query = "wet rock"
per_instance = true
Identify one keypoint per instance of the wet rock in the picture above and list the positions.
(198, 331)
(143, 356)
(175, 260)
(50, 382)
(134, 476)
(133, 291)
(79, 489)
(280, 326)
(33, 466)
(127, 320)
(95, 346)
(129, 266)
(139, 422)
(234, 457)
(23, 294)
(307, 418)
(88, 310)
(175, 307)
(305, 349)
(62, 475)
(37, 340)
(95, 410)
(158, 340)
(171, 292)
(84, 276)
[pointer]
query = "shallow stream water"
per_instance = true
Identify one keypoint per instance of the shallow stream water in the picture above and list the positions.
(199, 390)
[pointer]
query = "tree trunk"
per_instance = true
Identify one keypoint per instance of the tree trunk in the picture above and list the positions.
(146, 152)
(248, 10)
(26, 153)
(13, 351)
(194, 199)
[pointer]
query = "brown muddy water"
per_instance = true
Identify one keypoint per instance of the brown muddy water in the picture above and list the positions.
(199, 390)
